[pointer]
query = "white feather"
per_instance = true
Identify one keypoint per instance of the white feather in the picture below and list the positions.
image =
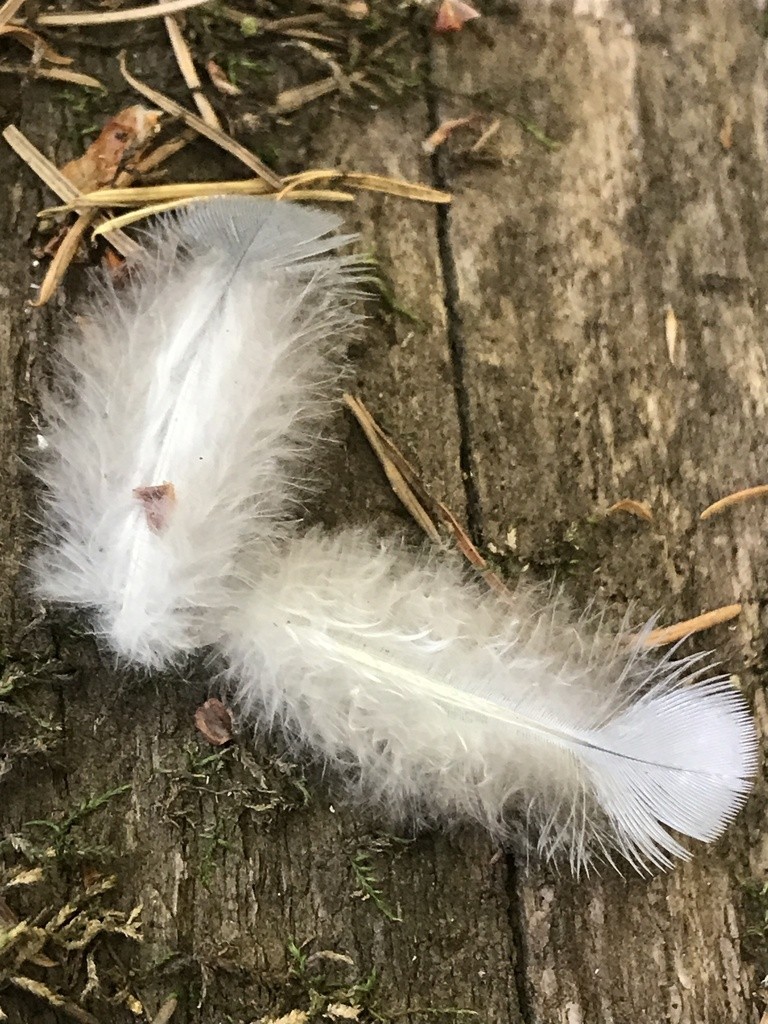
(440, 701)
(207, 372)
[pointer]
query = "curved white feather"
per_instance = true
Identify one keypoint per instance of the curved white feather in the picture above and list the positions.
(182, 406)
(436, 699)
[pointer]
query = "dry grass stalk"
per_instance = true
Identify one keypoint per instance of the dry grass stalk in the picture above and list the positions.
(63, 256)
(55, 999)
(680, 630)
(315, 195)
(56, 181)
(114, 17)
(35, 43)
(189, 73)
(9, 10)
(109, 197)
(56, 74)
(734, 499)
(486, 137)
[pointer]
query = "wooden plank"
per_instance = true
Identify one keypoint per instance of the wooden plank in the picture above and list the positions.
(582, 389)
(228, 862)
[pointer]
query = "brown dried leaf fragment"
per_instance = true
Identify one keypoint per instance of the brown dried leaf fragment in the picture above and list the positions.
(294, 1017)
(55, 999)
(453, 15)
(158, 501)
(641, 509)
(220, 81)
(126, 134)
(343, 1011)
(114, 263)
(734, 499)
(57, 182)
(214, 720)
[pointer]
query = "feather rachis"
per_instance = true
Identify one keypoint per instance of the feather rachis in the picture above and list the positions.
(430, 696)
(210, 372)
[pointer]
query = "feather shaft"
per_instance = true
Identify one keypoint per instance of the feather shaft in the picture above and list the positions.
(187, 401)
(437, 700)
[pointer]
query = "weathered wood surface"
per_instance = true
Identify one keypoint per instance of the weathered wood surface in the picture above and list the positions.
(539, 385)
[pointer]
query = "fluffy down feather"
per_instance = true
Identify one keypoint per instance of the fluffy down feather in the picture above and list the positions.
(437, 700)
(182, 404)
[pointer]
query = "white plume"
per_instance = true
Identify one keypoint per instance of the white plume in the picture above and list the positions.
(436, 699)
(181, 406)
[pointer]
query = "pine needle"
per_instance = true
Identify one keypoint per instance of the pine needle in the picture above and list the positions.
(681, 630)
(133, 216)
(114, 17)
(108, 197)
(189, 73)
(56, 74)
(36, 44)
(9, 9)
(56, 181)
(426, 510)
(641, 509)
(193, 121)
(734, 499)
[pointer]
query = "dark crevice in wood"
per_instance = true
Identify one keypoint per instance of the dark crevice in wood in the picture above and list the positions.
(522, 967)
(455, 334)
(454, 330)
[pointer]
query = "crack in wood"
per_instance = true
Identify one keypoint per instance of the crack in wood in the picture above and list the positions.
(454, 330)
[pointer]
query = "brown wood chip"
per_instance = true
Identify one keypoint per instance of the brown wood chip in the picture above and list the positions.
(214, 721)
(158, 501)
